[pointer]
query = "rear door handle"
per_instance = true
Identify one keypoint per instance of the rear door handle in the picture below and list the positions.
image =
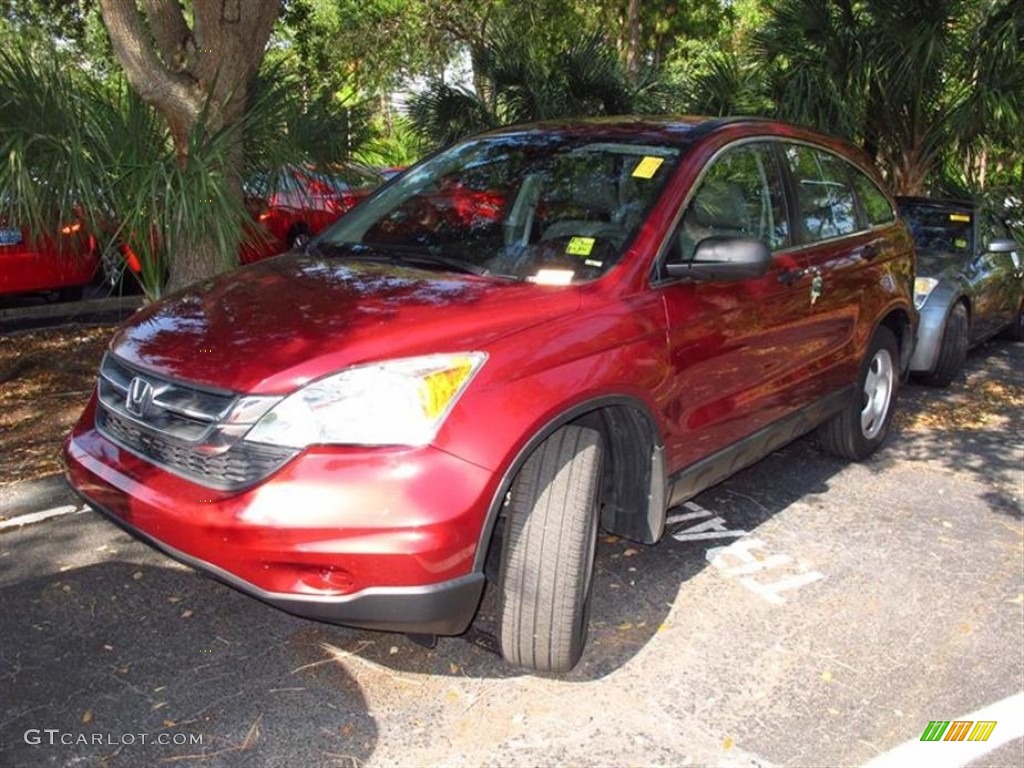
(869, 251)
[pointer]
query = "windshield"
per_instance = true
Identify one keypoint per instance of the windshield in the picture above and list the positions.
(529, 206)
(940, 231)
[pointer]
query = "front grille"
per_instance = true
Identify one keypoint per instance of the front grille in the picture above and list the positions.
(180, 411)
(238, 467)
(193, 432)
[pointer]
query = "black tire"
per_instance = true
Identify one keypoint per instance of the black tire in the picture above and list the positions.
(547, 563)
(857, 431)
(114, 278)
(1015, 331)
(953, 352)
(298, 237)
(71, 293)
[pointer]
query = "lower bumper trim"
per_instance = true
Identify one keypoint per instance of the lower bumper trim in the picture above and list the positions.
(446, 608)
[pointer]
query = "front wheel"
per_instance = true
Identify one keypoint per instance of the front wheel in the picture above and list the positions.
(1015, 331)
(547, 564)
(857, 431)
(953, 351)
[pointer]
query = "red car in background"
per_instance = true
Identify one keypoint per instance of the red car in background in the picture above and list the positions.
(296, 203)
(65, 263)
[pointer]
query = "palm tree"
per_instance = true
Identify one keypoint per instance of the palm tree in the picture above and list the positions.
(518, 80)
(75, 147)
(728, 84)
(910, 81)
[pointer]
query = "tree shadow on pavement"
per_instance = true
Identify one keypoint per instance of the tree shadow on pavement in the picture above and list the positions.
(279, 674)
(117, 663)
(975, 427)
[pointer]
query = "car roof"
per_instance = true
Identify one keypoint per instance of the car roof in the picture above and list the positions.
(667, 129)
(681, 130)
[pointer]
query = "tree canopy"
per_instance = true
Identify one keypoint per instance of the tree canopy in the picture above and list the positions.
(203, 90)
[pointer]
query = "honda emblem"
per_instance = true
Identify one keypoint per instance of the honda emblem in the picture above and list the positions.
(140, 395)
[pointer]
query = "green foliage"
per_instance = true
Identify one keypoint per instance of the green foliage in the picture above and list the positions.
(51, 159)
(393, 143)
(726, 84)
(519, 80)
(373, 45)
(912, 82)
(76, 148)
(932, 89)
(287, 124)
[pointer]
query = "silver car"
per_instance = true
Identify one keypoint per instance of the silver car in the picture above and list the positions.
(969, 286)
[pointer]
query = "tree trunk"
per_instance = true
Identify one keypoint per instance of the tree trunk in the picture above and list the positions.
(633, 39)
(196, 78)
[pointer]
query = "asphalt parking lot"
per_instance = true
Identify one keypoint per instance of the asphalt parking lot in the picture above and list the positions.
(804, 613)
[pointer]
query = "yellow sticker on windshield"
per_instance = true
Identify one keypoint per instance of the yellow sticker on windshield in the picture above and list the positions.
(580, 246)
(959, 217)
(960, 243)
(647, 167)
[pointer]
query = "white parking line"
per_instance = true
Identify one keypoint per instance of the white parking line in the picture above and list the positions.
(37, 517)
(1008, 715)
(747, 563)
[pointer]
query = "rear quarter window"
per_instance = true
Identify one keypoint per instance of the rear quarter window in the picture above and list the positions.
(875, 204)
(826, 203)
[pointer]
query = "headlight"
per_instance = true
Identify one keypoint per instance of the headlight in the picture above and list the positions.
(923, 287)
(396, 402)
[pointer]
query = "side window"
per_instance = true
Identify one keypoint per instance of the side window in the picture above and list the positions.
(739, 196)
(873, 201)
(825, 201)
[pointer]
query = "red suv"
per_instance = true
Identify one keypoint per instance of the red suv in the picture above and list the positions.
(349, 432)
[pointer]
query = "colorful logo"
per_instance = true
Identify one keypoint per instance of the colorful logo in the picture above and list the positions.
(958, 730)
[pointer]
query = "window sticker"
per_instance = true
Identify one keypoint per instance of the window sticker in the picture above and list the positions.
(593, 263)
(553, 276)
(580, 246)
(960, 242)
(647, 167)
(959, 217)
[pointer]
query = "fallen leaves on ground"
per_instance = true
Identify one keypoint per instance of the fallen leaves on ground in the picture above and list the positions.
(46, 377)
(971, 405)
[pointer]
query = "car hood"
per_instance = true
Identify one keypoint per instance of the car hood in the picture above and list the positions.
(273, 326)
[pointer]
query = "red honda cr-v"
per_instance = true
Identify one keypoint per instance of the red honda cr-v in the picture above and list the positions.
(647, 306)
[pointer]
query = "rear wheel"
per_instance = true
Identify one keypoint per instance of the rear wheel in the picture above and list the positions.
(1015, 331)
(953, 351)
(298, 237)
(857, 431)
(71, 293)
(547, 564)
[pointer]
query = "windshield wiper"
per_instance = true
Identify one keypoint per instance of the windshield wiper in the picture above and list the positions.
(400, 254)
(451, 262)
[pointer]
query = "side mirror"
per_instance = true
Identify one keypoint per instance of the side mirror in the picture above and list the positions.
(724, 258)
(1001, 245)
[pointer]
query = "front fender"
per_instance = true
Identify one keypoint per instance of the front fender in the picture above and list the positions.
(932, 324)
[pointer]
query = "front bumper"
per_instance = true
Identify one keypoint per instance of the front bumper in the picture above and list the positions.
(378, 539)
(930, 331)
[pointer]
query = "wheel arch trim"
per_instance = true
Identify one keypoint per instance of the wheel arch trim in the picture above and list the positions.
(658, 471)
